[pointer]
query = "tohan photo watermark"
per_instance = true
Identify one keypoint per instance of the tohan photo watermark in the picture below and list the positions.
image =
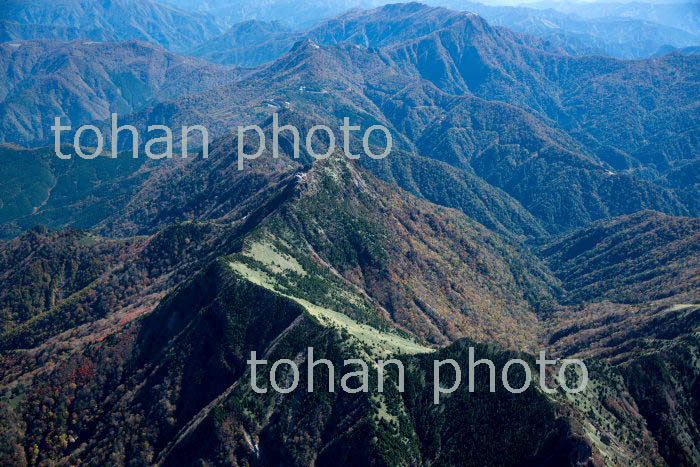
(165, 138)
(362, 374)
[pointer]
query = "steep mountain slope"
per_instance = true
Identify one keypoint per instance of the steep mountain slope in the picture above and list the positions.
(172, 386)
(254, 42)
(116, 278)
(540, 166)
(40, 188)
(145, 200)
(403, 427)
(495, 64)
(190, 398)
(337, 260)
(84, 81)
(654, 348)
(107, 20)
(641, 273)
(124, 196)
(376, 236)
(176, 379)
(615, 26)
(640, 258)
(621, 34)
(391, 24)
(44, 268)
(432, 271)
(460, 53)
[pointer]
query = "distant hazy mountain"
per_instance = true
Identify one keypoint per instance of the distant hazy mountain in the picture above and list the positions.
(11, 30)
(105, 20)
(293, 13)
(677, 14)
(686, 50)
(250, 43)
(617, 35)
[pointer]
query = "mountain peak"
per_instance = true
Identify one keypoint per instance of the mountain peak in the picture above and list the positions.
(305, 44)
(337, 168)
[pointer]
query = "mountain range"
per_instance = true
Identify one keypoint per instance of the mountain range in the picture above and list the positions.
(534, 198)
(254, 42)
(679, 14)
(517, 117)
(212, 28)
(83, 81)
(600, 29)
(176, 359)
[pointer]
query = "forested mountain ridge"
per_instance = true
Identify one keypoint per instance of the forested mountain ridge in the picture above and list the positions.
(532, 200)
(110, 20)
(322, 291)
(461, 74)
(84, 81)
